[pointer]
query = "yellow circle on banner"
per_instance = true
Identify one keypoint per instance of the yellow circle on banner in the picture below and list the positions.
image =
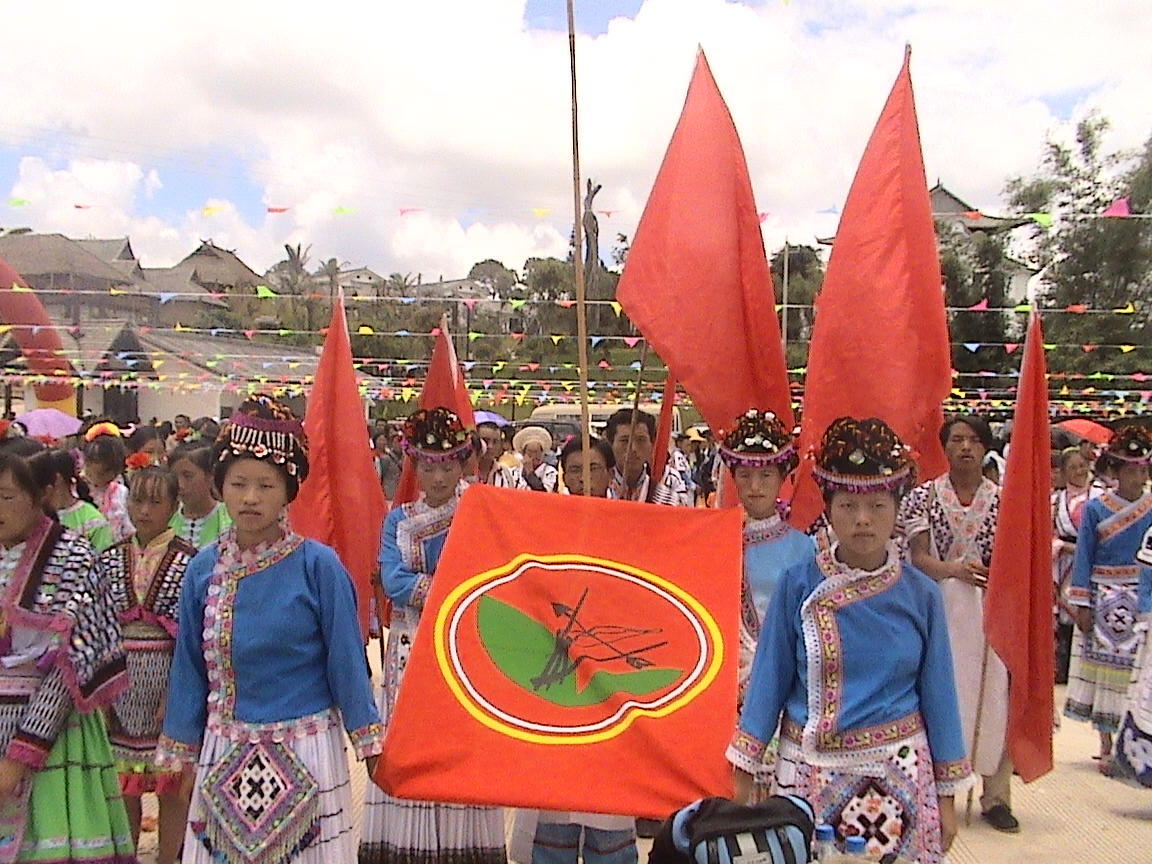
(442, 636)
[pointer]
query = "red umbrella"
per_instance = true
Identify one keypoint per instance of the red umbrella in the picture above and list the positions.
(1089, 429)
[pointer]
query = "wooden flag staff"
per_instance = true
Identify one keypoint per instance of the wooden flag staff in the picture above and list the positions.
(578, 256)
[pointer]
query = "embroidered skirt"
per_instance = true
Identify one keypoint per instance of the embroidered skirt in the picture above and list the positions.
(400, 831)
(136, 718)
(1101, 665)
(1133, 754)
(894, 806)
(72, 811)
(280, 791)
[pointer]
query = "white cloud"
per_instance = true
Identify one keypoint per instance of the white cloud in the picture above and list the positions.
(453, 107)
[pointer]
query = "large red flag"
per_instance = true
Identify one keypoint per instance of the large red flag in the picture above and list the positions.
(696, 281)
(36, 334)
(557, 651)
(341, 503)
(445, 387)
(1018, 608)
(880, 343)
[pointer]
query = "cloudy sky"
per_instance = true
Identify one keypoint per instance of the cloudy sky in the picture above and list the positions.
(420, 137)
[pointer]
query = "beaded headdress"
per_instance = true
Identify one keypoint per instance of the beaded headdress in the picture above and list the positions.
(435, 435)
(265, 429)
(863, 456)
(1132, 444)
(757, 440)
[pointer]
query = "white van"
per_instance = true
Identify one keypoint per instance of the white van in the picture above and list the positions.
(598, 413)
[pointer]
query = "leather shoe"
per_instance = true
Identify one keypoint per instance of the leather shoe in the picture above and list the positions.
(1001, 818)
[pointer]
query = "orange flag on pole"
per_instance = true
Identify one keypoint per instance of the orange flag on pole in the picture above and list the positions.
(664, 443)
(1018, 608)
(341, 503)
(880, 342)
(558, 650)
(39, 339)
(696, 282)
(444, 387)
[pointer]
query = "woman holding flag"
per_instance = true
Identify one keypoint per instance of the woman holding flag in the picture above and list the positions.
(760, 453)
(400, 831)
(872, 739)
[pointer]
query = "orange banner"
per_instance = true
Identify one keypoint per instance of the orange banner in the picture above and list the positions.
(574, 654)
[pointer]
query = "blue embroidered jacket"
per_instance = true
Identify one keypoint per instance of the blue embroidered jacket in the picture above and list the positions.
(849, 663)
(1111, 531)
(296, 651)
(410, 547)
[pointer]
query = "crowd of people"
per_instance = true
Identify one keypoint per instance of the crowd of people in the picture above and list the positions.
(164, 632)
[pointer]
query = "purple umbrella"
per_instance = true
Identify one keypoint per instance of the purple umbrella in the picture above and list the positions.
(50, 422)
(492, 417)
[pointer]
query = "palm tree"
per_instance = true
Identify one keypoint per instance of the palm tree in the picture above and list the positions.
(297, 267)
(399, 283)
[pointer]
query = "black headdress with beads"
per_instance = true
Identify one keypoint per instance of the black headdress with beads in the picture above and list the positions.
(863, 456)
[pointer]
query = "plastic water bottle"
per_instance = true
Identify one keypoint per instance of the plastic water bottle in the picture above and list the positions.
(856, 847)
(825, 843)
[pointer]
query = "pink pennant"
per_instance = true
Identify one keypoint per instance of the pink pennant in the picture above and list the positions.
(1139, 376)
(1076, 308)
(763, 216)
(276, 209)
(434, 332)
(471, 304)
(632, 341)
(517, 336)
(973, 214)
(566, 304)
(1011, 347)
(249, 333)
(1088, 348)
(1119, 208)
(604, 364)
(82, 206)
(532, 367)
(982, 306)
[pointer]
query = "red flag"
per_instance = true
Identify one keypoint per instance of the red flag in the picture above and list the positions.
(39, 340)
(341, 503)
(696, 281)
(558, 649)
(1018, 608)
(444, 387)
(880, 343)
(663, 432)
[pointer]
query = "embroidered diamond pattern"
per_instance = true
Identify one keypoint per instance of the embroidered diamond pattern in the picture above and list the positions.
(1115, 617)
(256, 787)
(263, 798)
(876, 814)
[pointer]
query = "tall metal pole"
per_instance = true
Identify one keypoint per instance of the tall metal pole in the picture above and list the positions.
(578, 255)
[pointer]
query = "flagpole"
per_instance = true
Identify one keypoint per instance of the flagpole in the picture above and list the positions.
(784, 308)
(578, 255)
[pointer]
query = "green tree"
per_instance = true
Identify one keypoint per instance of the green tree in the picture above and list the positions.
(972, 265)
(1094, 262)
(805, 276)
(495, 275)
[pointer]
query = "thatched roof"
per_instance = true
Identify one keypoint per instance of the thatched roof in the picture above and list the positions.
(180, 280)
(220, 267)
(54, 255)
(113, 249)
